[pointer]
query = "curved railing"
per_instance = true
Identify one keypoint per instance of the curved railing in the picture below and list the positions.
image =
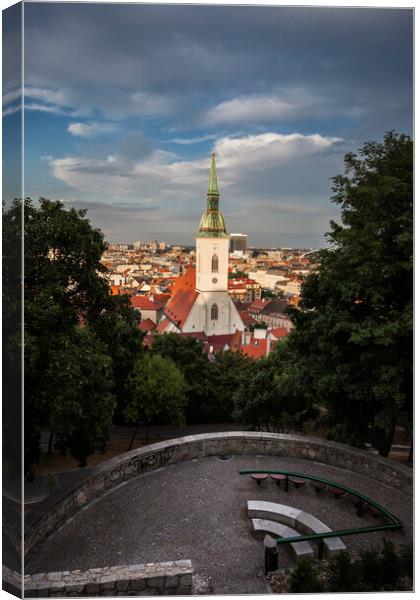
(395, 523)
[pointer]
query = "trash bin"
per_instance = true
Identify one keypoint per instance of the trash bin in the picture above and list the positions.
(270, 554)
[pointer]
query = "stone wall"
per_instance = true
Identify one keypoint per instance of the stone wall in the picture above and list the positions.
(11, 581)
(68, 500)
(152, 579)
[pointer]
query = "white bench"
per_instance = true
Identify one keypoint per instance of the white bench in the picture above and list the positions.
(280, 530)
(295, 518)
(307, 523)
(259, 509)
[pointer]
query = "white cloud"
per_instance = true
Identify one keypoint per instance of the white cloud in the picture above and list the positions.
(287, 105)
(269, 149)
(162, 173)
(47, 95)
(250, 108)
(48, 108)
(91, 129)
(194, 140)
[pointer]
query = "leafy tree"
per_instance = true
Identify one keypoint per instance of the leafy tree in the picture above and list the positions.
(273, 396)
(156, 390)
(77, 394)
(65, 287)
(117, 326)
(353, 329)
(228, 371)
(188, 354)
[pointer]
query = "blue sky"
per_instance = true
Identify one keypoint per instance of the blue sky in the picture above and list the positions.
(125, 103)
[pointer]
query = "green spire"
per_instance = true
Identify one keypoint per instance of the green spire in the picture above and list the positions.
(212, 223)
(213, 189)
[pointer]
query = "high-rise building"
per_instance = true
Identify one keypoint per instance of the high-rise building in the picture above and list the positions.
(207, 305)
(238, 242)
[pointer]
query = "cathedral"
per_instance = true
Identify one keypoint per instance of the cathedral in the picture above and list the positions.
(200, 300)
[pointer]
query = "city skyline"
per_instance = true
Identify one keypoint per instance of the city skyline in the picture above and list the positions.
(124, 105)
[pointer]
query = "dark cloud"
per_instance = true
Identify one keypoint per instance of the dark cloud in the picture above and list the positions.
(189, 57)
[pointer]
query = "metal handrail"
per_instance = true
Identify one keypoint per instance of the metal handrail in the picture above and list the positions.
(395, 522)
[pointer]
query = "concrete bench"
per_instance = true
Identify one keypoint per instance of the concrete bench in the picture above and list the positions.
(307, 523)
(259, 509)
(280, 530)
(295, 518)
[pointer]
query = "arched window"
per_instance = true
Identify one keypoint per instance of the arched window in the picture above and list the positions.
(214, 312)
(214, 263)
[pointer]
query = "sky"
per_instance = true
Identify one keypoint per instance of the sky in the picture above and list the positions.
(125, 103)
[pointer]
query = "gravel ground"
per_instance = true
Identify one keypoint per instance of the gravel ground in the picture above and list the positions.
(197, 510)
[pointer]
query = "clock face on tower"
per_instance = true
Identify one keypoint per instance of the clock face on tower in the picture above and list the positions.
(214, 279)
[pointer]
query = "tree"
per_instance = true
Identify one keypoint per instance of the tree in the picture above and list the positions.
(64, 288)
(77, 394)
(272, 396)
(353, 329)
(228, 371)
(188, 354)
(156, 390)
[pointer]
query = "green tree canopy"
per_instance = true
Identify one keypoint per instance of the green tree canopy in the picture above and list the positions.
(156, 391)
(272, 396)
(353, 329)
(188, 354)
(77, 393)
(64, 288)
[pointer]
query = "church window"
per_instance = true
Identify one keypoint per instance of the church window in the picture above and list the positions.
(214, 263)
(214, 312)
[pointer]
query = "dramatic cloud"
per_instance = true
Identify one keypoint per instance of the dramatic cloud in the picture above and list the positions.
(248, 166)
(148, 91)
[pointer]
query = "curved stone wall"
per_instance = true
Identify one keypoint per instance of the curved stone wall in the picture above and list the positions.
(68, 500)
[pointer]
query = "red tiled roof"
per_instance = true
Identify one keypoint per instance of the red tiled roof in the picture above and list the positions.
(162, 298)
(220, 341)
(144, 303)
(258, 305)
(147, 325)
(279, 332)
(184, 295)
(256, 349)
(235, 343)
(246, 317)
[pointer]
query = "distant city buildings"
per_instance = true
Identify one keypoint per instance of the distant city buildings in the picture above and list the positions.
(220, 292)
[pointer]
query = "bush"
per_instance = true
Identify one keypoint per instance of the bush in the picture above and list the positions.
(304, 578)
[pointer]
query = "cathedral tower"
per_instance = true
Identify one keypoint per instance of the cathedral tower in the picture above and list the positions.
(218, 314)
(200, 300)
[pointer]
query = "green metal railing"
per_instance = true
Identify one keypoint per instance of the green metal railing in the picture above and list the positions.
(395, 523)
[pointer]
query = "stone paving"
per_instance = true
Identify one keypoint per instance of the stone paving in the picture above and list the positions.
(197, 510)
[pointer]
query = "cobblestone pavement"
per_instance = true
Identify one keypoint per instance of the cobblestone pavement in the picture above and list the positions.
(197, 510)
